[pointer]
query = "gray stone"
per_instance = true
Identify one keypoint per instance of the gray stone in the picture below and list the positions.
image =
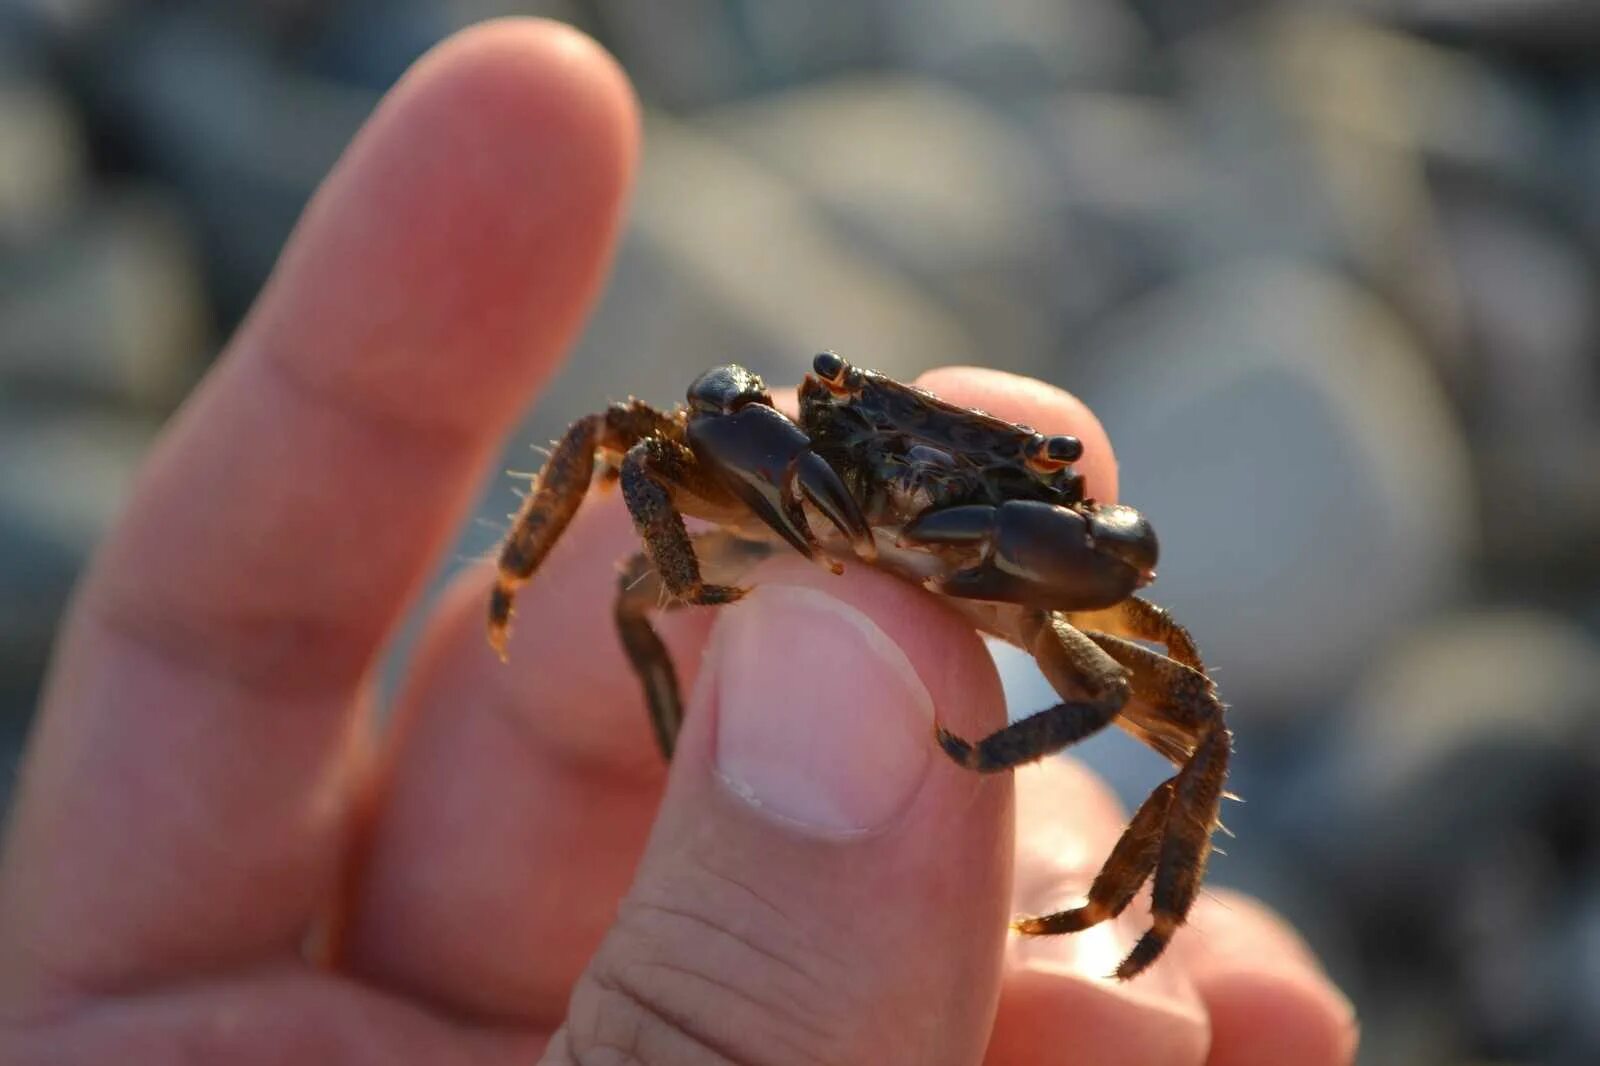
(206, 107)
(1457, 806)
(1559, 27)
(1009, 47)
(42, 160)
(1310, 487)
(930, 183)
(111, 305)
(1528, 375)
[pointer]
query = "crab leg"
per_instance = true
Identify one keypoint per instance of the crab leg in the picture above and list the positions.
(1040, 554)
(1072, 663)
(648, 469)
(640, 591)
(1172, 707)
(1185, 846)
(557, 491)
(1170, 834)
(1140, 619)
(1124, 872)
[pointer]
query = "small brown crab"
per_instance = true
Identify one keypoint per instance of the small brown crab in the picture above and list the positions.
(970, 506)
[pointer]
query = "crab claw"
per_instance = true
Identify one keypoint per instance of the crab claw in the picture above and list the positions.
(828, 494)
(766, 460)
(1042, 555)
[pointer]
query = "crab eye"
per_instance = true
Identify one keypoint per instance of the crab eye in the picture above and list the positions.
(725, 389)
(830, 367)
(1049, 454)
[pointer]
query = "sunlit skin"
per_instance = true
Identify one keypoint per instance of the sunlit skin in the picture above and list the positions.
(204, 787)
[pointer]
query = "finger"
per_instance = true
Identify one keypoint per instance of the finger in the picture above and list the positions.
(514, 800)
(1268, 997)
(191, 746)
(539, 779)
(1057, 1002)
(819, 879)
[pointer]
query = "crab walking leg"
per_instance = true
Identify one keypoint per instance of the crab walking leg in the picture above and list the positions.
(1142, 620)
(1173, 706)
(1185, 847)
(1072, 663)
(639, 591)
(647, 470)
(557, 491)
(1177, 711)
(1124, 873)
(1167, 694)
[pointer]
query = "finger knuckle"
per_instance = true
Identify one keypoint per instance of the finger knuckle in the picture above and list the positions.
(721, 980)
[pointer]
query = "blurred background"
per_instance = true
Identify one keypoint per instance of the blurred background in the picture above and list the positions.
(1327, 270)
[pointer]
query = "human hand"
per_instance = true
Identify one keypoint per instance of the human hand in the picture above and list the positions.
(204, 789)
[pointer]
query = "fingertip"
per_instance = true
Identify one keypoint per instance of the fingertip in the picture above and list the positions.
(539, 71)
(1262, 1018)
(457, 246)
(1047, 1017)
(1035, 403)
(1270, 1000)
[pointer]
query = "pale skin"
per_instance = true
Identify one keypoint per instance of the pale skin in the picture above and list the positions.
(205, 786)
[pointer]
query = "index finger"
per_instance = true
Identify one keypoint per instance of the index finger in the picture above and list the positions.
(193, 746)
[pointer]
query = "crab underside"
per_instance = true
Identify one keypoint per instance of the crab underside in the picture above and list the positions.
(988, 513)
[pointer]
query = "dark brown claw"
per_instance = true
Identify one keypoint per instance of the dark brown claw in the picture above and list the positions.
(1041, 554)
(766, 461)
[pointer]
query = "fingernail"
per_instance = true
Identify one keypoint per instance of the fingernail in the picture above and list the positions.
(822, 722)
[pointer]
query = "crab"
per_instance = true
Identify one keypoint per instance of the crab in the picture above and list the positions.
(990, 514)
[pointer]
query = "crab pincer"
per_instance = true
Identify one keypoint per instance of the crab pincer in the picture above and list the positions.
(765, 460)
(1045, 555)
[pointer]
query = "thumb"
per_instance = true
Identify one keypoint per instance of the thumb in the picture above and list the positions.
(821, 884)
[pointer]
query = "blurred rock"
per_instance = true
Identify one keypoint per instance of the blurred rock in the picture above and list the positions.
(42, 157)
(1458, 110)
(111, 305)
(1009, 48)
(1456, 813)
(929, 183)
(370, 43)
(1552, 27)
(1311, 490)
(1532, 388)
(700, 52)
(760, 250)
(201, 104)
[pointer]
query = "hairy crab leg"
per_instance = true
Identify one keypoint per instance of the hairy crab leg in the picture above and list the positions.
(1185, 847)
(1072, 663)
(1173, 706)
(1170, 834)
(558, 490)
(1140, 619)
(640, 591)
(649, 470)
(1124, 873)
